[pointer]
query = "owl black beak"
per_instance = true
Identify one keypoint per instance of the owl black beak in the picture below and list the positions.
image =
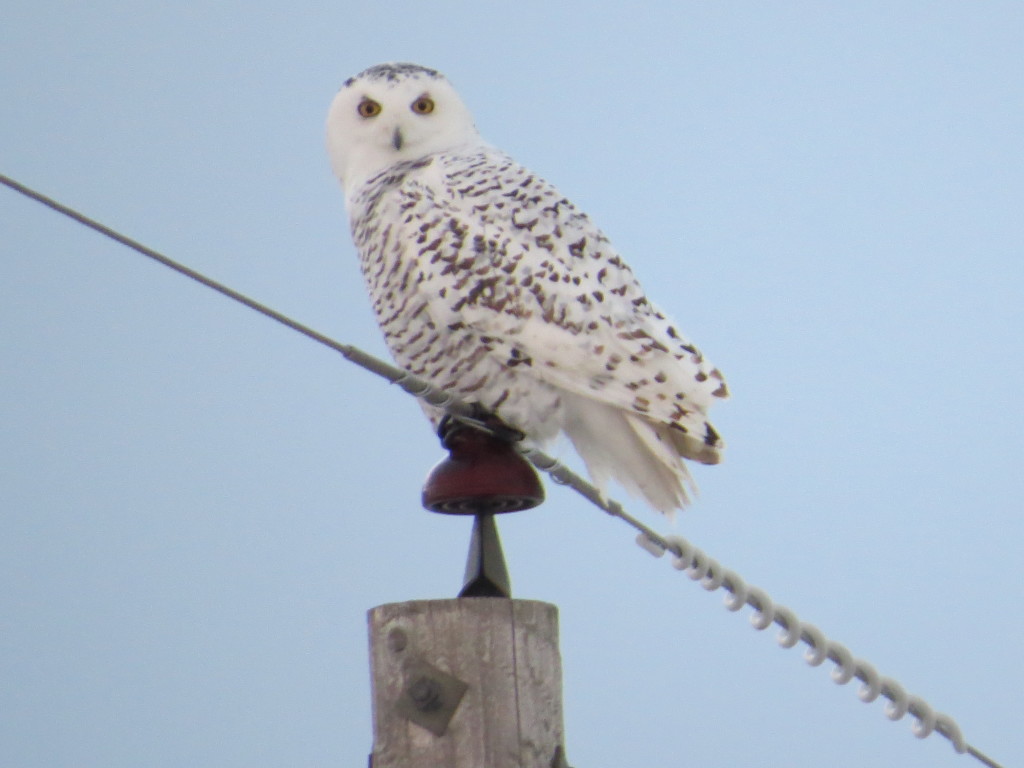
(396, 139)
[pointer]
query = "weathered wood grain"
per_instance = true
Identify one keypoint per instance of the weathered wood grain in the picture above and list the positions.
(505, 651)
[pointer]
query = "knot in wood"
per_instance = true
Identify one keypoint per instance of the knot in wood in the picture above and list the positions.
(397, 640)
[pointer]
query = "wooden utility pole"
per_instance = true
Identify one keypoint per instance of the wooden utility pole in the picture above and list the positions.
(474, 682)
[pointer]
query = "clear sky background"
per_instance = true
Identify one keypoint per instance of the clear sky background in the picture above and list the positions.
(197, 506)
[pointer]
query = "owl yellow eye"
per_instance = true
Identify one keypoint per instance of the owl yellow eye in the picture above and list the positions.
(424, 105)
(368, 108)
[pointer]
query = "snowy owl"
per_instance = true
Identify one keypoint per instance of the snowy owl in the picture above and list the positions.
(489, 283)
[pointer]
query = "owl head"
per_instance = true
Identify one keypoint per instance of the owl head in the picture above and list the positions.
(390, 113)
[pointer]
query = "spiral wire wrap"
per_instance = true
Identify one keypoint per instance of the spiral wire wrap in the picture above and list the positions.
(702, 568)
(685, 557)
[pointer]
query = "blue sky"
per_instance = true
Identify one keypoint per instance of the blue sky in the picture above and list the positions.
(197, 507)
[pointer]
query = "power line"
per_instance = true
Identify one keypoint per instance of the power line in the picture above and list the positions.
(699, 566)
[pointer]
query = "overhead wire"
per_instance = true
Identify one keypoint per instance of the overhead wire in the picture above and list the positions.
(685, 557)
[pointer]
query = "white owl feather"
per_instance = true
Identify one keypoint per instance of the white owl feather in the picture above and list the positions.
(487, 282)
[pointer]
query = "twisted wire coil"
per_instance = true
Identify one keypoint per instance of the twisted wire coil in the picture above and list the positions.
(712, 576)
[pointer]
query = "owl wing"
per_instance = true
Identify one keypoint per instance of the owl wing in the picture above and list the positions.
(505, 256)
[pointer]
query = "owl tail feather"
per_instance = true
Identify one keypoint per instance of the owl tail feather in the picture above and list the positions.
(639, 454)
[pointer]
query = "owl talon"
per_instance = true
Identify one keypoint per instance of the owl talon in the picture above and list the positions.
(480, 419)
